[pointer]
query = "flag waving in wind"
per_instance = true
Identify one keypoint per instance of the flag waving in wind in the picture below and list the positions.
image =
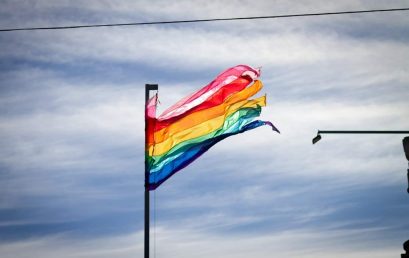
(190, 127)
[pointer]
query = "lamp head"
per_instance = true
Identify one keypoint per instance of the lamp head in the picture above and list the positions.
(406, 246)
(405, 142)
(316, 139)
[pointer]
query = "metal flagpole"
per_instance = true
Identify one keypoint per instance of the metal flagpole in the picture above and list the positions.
(148, 88)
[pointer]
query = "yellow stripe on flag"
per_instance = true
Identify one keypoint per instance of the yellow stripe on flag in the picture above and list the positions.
(203, 128)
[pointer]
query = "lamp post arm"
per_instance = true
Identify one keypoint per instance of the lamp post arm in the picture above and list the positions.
(361, 132)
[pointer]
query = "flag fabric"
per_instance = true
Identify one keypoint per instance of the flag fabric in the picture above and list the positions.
(186, 130)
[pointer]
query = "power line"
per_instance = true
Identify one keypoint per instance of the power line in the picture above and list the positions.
(202, 20)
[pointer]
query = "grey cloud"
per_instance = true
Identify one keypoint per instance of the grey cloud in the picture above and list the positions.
(71, 132)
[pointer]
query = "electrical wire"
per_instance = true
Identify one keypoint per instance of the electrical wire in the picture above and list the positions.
(202, 20)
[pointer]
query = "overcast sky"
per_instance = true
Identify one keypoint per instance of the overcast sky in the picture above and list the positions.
(72, 131)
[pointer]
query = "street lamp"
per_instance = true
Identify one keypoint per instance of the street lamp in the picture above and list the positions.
(405, 142)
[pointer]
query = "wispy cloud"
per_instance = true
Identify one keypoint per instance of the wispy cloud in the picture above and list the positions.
(181, 243)
(71, 125)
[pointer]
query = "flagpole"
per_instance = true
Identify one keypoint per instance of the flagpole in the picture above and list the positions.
(148, 88)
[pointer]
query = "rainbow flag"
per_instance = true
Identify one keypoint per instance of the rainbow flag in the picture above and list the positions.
(190, 127)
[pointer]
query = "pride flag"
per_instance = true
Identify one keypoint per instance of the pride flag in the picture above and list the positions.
(190, 127)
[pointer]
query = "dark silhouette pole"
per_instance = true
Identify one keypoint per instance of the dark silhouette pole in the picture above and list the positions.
(148, 88)
(405, 142)
(406, 247)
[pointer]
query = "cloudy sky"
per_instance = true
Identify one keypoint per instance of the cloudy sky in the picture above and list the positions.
(72, 131)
